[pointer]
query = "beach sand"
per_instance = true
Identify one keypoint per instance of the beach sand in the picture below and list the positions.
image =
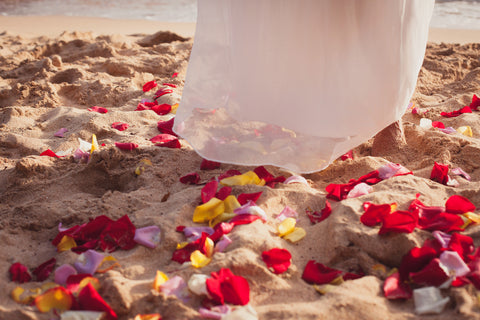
(54, 68)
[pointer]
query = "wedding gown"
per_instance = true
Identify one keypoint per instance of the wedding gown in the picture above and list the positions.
(297, 83)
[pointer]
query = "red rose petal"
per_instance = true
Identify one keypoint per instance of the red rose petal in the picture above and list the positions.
(318, 273)
(209, 165)
(49, 153)
(348, 155)
(126, 146)
(174, 75)
(161, 92)
(438, 124)
(209, 191)
(162, 109)
(475, 103)
(190, 178)
(270, 180)
(229, 173)
(43, 271)
(244, 219)
(89, 299)
(149, 86)
(277, 259)
(415, 260)
(98, 109)
(456, 113)
(19, 273)
(166, 140)
(432, 275)
(339, 191)
(223, 193)
(374, 213)
(120, 126)
(395, 288)
(316, 217)
(118, 234)
(399, 222)
(462, 244)
(166, 126)
(170, 85)
(245, 197)
(225, 287)
(439, 173)
(458, 205)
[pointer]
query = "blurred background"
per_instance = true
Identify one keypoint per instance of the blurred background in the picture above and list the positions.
(452, 14)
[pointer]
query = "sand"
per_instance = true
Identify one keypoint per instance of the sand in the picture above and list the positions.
(48, 80)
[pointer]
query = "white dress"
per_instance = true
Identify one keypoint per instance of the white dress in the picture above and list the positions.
(297, 83)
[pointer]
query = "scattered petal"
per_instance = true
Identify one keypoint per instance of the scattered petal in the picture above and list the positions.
(249, 177)
(251, 208)
(465, 130)
(120, 126)
(208, 211)
(429, 300)
(199, 260)
(316, 217)
(43, 271)
(142, 166)
(148, 236)
(194, 233)
(434, 274)
(359, 190)
(458, 204)
(175, 74)
(152, 316)
(287, 226)
(460, 172)
(88, 262)
(296, 179)
(98, 109)
(348, 155)
(392, 169)
(160, 279)
(287, 212)
(216, 312)
(57, 298)
(149, 86)
(175, 286)
(475, 103)
(425, 123)
(209, 165)
(166, 126)
(296, 235)
(225, 287)
(438, 125)
(456, 113)
(198, 284)
(278, 260)
(66, 244)
(453, 262)
(63, 272)
(89, 299)
(439, 173)
(318, 273)
(375, 213)
(246, 197)
(162, 91)
(222, 244)
(399, 222)
(166, 140)
(448, 130)
(190, 178)
(19, 273)
(126, 145)
(60, 132)
(49, 153)
(394, 288)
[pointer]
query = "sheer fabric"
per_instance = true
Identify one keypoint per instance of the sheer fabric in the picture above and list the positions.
(297, 83)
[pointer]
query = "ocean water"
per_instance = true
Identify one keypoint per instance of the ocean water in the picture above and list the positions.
(455, 14)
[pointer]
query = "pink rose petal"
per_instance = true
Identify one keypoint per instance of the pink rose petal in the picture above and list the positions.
(60, 132)
(88, 262)
(287, 212)
(63, 272)
(148, 236)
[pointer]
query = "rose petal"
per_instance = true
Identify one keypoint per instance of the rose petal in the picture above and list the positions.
(458, 204)
(209, 165)
(465, 130)
(287, 212)
(175, 286)
(375, 213)
(429, 300)
(199, 260)
(394, 288)
(246, 197)
(223, 193)
(98, 109)
(439, 173)
(190, 178)
(339, 191)
(57, 298)
(453, 262)
(392, 169)
(19, 273)
(63, 272)
(198, 284)
(126, 146)
(448, 130)
(249, 177)
(456, 113)
(318, 273)
(148, 236)
(398, 222)
(216, 312)
(120, 126)
(316, 217)
(43, 271)
(460, 172)
(296, 179)
(194, 233)
(434, 274)
(415, 260)
(296, 235)
(277, 259)
(89, 299)
(162, 109)
(208, 211)
(60, 132)
(359, 190)
(222, 244)
(225, 287)
(166, 140)
(118, 234)
(442, 237)
(49, 153)
(348, 155)
(287, 226)
(166, 126)
(160, 279)
(149, 86)
(425, 123)
(475, 103)
(438, 124)
(88, 262)
(161, 92)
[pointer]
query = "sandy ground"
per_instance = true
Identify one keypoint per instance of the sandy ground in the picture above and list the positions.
(49, 79)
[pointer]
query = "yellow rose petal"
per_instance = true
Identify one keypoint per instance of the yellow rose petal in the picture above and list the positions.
(160, 278)
(296, 235)
(208, 211)
(110, 267)
(66, 244)
(231, 203)
(16, 293)
(142, 165)
(287, 226)
(249, 177)
(221, 218)
(94, 144)
(181, 245)
(155, 316)
(174, 108)
(198, 259)
(56, 298)
(466, 131)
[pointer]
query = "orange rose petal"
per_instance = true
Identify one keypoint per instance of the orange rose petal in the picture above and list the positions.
(155, 316)
(66, 244)
(57, 298)
(160, 278)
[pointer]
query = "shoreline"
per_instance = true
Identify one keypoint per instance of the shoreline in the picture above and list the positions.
(35, 26)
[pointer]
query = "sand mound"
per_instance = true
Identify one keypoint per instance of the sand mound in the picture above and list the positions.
(50, 83)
